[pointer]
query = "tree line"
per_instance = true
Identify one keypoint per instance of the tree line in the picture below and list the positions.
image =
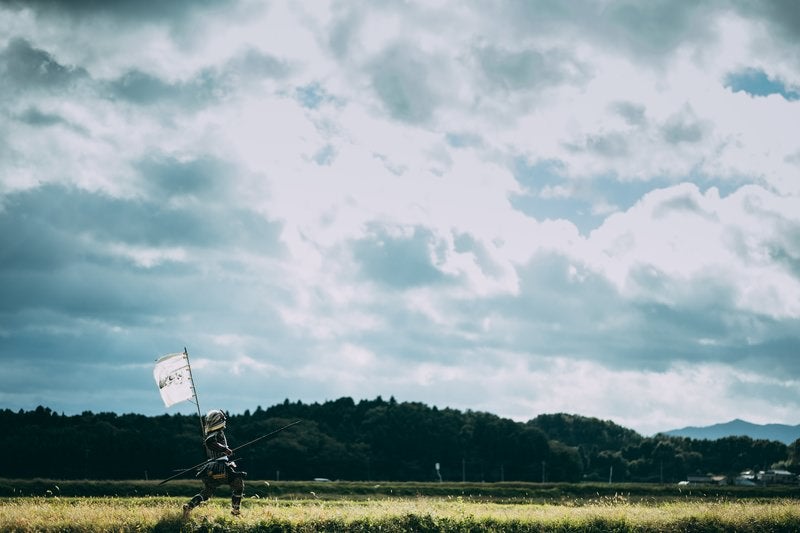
(373, 440)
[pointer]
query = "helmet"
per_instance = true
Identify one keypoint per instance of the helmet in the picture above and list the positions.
(215, 419)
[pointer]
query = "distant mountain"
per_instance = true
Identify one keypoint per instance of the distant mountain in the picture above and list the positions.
(779, 432)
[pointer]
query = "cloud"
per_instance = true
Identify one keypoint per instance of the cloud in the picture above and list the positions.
(169, 177)
(88, 255)
(23, 67)
(648, 33)
(688, 264)
(528, 70)
(121, 9)
(782, 15)
(141, 88)
(514, 207)
(634, 114)
(38, 118)
(398, 260)
(655, 29)
(683, 127)
(402, 80)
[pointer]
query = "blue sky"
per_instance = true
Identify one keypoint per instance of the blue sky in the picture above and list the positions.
(522, 208)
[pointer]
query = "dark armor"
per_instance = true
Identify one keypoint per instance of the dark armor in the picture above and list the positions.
(219, 469)
(216, 444)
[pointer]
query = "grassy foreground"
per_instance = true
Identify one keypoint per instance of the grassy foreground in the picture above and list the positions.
(617, 514)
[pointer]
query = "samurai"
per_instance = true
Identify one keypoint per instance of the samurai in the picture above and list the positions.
(220, 469)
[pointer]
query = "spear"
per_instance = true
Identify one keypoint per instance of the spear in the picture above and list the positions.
(262, 437)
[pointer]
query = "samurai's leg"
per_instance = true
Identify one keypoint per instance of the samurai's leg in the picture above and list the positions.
(208, 491)
(197, 499)
(237, 491)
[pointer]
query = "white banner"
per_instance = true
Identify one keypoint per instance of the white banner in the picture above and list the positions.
(174, 379)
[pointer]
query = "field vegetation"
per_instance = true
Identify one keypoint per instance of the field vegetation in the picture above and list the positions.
(43, 505)
(618, 514)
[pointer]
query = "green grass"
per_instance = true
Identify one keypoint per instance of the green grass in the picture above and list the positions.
(396, 514)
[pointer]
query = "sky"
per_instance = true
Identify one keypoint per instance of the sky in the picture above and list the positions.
(512, 207)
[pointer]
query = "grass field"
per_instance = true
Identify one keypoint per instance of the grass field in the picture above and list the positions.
(296, 506)
(389, 514)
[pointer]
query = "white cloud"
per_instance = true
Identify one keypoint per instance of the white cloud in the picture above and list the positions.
(333, 195)
(148, 257)
(682, 234)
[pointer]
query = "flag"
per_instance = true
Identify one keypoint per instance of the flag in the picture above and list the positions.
(174, 378)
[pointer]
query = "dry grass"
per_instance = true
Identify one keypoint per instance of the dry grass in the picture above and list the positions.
(395, 514)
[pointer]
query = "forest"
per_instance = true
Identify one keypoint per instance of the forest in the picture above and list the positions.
(373, 440)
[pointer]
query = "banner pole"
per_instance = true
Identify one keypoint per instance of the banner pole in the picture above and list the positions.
(194, 394)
